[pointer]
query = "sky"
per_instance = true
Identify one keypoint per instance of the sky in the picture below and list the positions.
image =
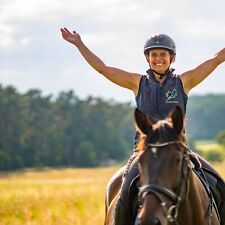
(33, 54)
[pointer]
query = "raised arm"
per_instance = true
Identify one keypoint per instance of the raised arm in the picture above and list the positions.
(195, 76)
(117, 76)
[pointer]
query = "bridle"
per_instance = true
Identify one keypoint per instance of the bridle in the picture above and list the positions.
(170, 213)
(158, 191)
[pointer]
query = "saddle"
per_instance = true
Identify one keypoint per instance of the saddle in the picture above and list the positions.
(213, 184)
(122, 217)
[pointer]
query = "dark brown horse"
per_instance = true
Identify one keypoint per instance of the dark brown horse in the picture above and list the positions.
(170, 191)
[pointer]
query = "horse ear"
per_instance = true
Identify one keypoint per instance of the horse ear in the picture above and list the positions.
(142, 122)
(177, 119)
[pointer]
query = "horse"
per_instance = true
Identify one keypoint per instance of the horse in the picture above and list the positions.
(170, 191)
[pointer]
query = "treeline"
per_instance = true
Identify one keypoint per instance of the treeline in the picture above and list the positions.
(205, 116)
(64, 131)
(38, 131)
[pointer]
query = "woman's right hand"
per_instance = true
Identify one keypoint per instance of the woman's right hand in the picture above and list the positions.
(73, 38)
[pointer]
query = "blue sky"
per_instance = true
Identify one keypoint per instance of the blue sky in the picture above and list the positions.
(33, 54)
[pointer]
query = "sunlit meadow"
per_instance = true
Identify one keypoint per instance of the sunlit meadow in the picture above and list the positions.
(53, 197)
(57, 196)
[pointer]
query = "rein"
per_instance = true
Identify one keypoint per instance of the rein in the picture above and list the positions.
(170, 213)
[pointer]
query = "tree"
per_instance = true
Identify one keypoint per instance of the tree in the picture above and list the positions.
(221, 138)
(205, 115)
(10, 127)
(86, 155)
(38, 130)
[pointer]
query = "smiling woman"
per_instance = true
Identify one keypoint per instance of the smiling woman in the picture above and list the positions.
(156, 94)
(159, 61)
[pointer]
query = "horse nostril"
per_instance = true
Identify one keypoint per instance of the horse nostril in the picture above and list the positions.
(157, 222)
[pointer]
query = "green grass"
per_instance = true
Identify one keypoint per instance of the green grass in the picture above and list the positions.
(206, 145)
(210, 150)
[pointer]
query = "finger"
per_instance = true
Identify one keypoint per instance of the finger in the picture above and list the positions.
(67, 30)
(62, 30)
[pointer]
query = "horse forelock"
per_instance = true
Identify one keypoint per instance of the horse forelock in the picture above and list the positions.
(162, 131)
(165, 131)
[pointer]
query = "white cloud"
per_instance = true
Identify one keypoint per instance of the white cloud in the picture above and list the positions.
(20, 77)
(202, 27)
(34, 55)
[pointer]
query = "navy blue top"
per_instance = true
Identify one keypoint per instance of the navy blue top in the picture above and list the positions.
(156, 100)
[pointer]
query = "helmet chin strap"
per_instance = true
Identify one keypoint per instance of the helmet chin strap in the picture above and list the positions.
(161, 75)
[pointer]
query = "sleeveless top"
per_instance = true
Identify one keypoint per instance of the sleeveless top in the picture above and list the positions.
(156, 100)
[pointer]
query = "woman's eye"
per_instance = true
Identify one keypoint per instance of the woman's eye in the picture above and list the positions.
(163, 55)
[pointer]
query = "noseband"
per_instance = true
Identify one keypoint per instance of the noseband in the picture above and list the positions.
(158, 191)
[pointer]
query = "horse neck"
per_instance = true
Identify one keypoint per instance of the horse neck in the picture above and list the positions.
(195, 205)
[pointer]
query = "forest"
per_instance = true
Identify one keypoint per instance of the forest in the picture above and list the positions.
(66, 131)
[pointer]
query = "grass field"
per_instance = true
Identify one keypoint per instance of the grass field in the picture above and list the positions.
(56, 196)
(53, 197)
(208, 145)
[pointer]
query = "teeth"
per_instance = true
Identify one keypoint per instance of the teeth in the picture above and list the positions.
(159, 64)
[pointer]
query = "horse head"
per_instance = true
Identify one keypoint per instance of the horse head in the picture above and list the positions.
(163, 165)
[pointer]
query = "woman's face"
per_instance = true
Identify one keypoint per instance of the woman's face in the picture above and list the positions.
(159, 60)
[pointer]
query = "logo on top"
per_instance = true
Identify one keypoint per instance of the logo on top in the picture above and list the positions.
(171, 94)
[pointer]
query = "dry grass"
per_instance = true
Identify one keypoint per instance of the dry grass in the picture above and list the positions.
(206, 146)
(56, 197)
(220, 167)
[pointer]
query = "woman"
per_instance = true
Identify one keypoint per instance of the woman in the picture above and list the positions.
(156, 94)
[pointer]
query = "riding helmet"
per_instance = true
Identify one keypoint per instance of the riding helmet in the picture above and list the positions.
(160, 41)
